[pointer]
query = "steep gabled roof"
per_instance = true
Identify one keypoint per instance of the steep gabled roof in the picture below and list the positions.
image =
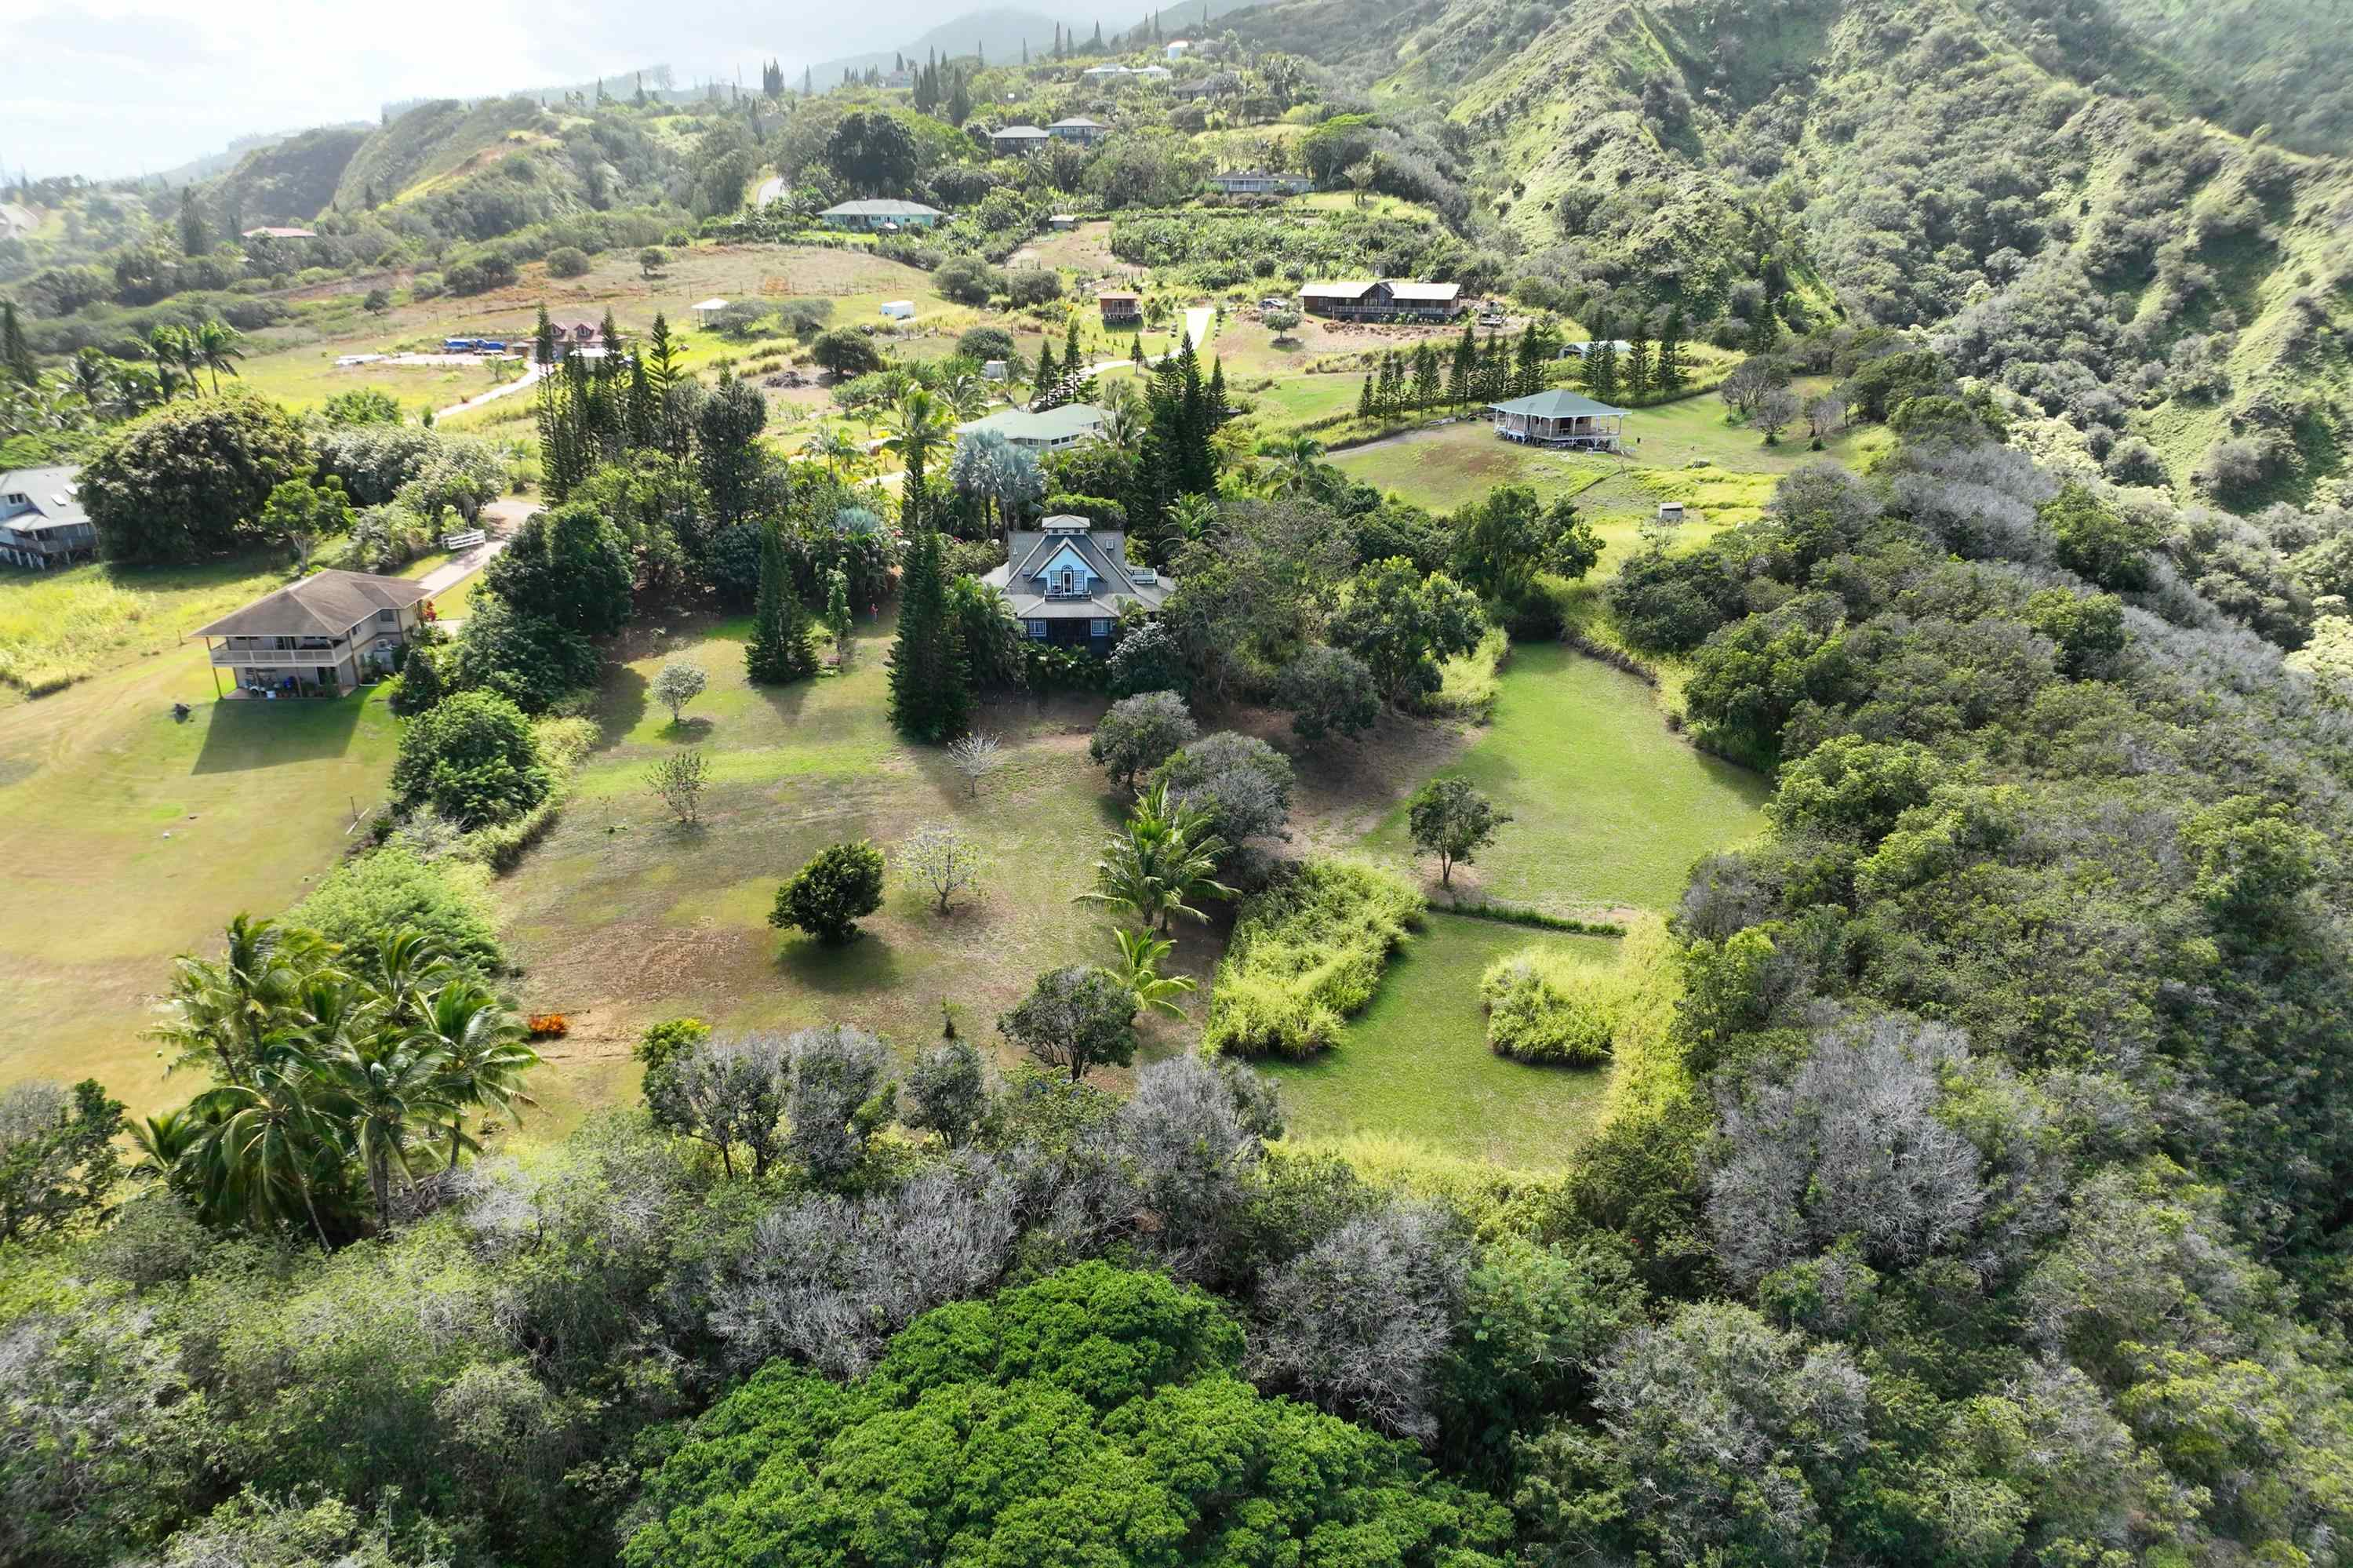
(56, 502)
(324, 604)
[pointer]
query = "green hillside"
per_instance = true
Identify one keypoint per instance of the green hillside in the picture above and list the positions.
(2276, 63)
(2036, 186)
(290, 181)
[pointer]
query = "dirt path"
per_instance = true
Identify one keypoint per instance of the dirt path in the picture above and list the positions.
(530, 378)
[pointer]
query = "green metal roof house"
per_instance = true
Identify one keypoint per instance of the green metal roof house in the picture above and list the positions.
(1046, 431)
(1557, 419)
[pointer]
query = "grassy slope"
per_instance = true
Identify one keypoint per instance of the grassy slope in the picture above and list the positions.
(1611, 809)
(255, 798)
(60, 627)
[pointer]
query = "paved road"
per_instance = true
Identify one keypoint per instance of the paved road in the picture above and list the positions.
(770, 189)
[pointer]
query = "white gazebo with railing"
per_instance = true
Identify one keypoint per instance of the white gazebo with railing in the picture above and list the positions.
(1558, 418)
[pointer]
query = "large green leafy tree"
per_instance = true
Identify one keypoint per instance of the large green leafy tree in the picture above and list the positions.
(1093, 1418)
(191, 479)
(58, 1163)
(1402, 624)
(1503, 542)
(874, 155)
(930, 678)
(726, 452)
(567, 567)
(472, 758)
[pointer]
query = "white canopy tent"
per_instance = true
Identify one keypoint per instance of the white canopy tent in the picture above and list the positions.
(706, 310)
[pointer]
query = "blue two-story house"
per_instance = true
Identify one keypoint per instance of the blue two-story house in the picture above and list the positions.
(1068, 582)
(42, 524)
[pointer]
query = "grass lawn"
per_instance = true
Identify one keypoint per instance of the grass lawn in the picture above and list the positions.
(621, 918)
(1611, 808)
(130, 838)
(63, 626)
(255, 798)
(1447, 468)
(1415, 1063)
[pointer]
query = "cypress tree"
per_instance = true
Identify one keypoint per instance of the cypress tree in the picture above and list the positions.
(1071, 346)
(1642, 375)
(1426, 381)
(1044, 380)
(1220, 411)
(1366, 408)
(838, 619)
(16, 353)
(543, 338)
(1669, 374)
(931, 681)
(1462, 375)
(1601, 370)
(780, 650)
(661, 355)
(1392, 393)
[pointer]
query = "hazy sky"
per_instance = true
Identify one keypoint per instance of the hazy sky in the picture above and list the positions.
(113, 87)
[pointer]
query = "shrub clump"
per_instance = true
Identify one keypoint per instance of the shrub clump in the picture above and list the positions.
(1548, 1006)
(1305, 954)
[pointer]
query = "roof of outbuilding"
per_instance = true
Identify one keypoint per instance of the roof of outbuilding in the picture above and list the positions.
(1047, 425)
(324, 604)
(1023, 131)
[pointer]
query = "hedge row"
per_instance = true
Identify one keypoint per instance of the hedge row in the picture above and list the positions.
(1305, 954)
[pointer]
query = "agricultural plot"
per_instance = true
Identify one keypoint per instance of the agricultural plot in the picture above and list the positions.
(59, 627)
(297, 361)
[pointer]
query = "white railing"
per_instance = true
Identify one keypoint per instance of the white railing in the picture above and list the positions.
(279, 658)
(465, 540)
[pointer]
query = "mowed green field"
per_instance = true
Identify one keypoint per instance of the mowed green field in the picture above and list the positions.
(130, 837)
(255, 798)
(1611, 808)
(1415, 1063)
(1451, 467)
(621, 918)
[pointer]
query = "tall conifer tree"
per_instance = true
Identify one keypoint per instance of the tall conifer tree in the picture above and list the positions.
(930, 678)
(780, 649)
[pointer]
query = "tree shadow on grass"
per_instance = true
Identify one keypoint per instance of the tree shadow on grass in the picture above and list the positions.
(864, 963)
(787, 701)
(623, 704)
(686, 732)
(246, 733)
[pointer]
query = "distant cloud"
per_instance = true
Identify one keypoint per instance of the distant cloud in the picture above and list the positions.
(103, 88)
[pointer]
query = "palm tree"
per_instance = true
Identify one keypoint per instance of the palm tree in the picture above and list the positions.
(966, 393)
(91, 374)
(1140, 953)
(1122, 413)
(1296, 466)
(170, 347)
(1163, 859)
(227, 1011)
(834, 445)
(407, 963)
(387, 1090)
(918, 423)
(169, 1145)
(215, 349)
(1194, 515)
(478, 1052)
(272, 1143)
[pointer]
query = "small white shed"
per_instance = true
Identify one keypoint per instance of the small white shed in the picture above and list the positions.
(1671, 511)
(899, 310)
(993, 370)
(706, 310)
